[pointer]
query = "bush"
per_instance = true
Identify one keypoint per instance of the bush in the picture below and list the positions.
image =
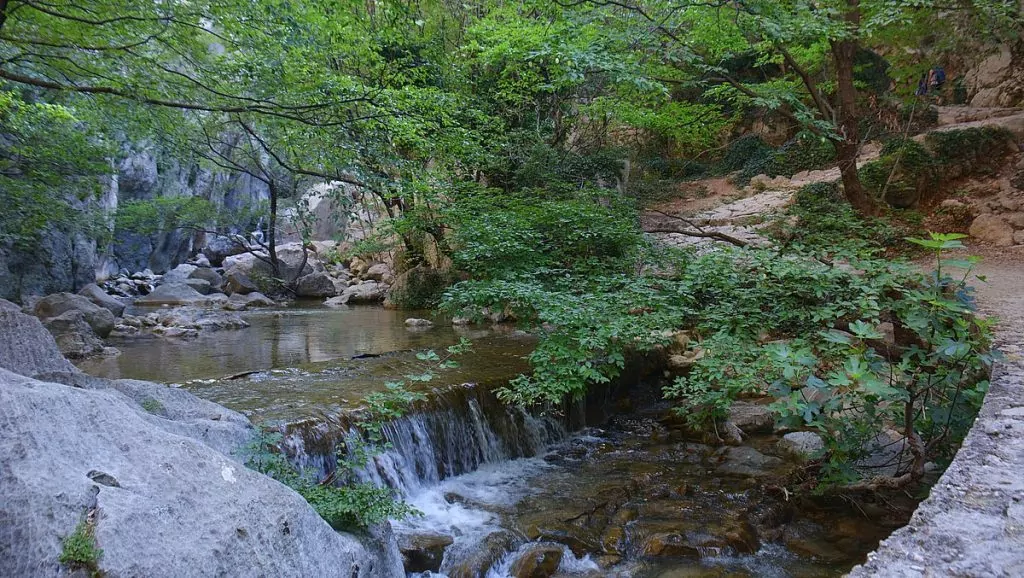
(801, 153)
(79, 549)
(501, 235)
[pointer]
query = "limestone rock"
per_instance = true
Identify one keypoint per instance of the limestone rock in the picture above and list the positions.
(75, 339)
(173, 294)
(1016, 220)
(423, 552)
(537, 561)
(220, 247)
(239, 302)
(380, 273)
(94, 293)
(746, 461)
(358, 266)
(201, 286)
(315, 285)
(26, 347)
(802, 445)
(365, 292)
(210, 276)
(337, 302)
(236, 281)
(101, 320)
(752, 417)
(414, 322)
(992, 229)
(178, 274)
(1018, 237)
(166, 504)
(997, 81)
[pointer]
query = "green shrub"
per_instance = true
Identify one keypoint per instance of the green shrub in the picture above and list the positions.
(153, 406)
(420, 287)
(501, 235)
(747, 150)
(79, 550)
(801, 153)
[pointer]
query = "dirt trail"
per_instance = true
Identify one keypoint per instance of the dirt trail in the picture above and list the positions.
(718, 205)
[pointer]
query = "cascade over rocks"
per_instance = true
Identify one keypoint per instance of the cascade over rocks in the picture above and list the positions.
(164, 496)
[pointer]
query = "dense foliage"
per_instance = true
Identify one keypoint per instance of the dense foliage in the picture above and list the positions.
(849, 344)
(505, 144)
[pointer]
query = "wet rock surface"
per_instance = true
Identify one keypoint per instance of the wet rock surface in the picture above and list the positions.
(637, 498)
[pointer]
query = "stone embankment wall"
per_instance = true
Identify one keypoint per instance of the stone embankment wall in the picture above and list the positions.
(972, 524)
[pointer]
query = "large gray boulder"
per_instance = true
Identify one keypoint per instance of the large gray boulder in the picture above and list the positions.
(315, 285)
(163, 504)
(151, 467)
(365, 292)
(75, 339)
(179, 274)
(220, 247)
(202, 286)
(237, 281)
(173, 294)
(210, 276)
(380, 272)
(98, 296)
(26, 347)
(101, 320)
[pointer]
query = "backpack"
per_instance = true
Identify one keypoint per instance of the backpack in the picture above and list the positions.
(940, 76)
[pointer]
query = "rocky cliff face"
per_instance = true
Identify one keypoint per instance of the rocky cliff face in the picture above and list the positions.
(998, 80)
(67, 262)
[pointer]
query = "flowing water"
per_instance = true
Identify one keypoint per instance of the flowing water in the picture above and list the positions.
(607, 486)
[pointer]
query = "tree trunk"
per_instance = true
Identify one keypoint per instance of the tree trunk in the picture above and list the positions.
(272, 229)
(843, 53)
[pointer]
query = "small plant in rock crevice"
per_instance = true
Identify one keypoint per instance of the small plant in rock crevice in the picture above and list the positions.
(79, 549)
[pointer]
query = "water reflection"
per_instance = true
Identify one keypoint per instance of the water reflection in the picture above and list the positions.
(276, 339)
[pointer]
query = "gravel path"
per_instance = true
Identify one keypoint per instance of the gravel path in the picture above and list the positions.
(972, 524)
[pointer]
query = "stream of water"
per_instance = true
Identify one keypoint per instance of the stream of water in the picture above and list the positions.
(608, 486)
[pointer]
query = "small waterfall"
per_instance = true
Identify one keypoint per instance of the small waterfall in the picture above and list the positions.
(455, 431)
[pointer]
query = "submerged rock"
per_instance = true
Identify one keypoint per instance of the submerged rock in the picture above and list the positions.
(239, 302)
(490, 551)
(746, 461)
